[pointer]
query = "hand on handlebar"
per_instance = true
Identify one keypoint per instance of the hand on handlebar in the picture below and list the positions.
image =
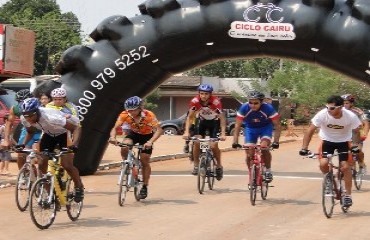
(304, 152)
(236, 145)
(275, 145)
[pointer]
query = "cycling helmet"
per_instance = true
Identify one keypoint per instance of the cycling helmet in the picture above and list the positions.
(256, 95)
(30, 105)
(59, 93)
(205, 88)
(133, 103)
(348, 97)
(22, 94)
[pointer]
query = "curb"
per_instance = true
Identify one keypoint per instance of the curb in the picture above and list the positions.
(107, 166)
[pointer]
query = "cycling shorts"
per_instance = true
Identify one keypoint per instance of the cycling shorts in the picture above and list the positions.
(49, 143)
(140, 139)
(35, 138)
(202, 127)
(329, 147)
(251, 135)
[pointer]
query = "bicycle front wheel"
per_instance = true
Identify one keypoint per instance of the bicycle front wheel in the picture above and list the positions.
(138, 183)
(74, 209)
(42, 211)
(123, 185)
(328, 194)
(23, 187)
(253, 184)
(264, 187)
(211, 173)
(202, 170)
(357, 175)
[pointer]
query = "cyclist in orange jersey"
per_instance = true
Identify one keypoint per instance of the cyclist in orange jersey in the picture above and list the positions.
(142, 127)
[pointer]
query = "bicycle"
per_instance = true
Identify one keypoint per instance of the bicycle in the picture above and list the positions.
(332, 185)
(356, 173)
(130, 174)
(52, 191)
(257, 172)
(207, 163)
(27, 175)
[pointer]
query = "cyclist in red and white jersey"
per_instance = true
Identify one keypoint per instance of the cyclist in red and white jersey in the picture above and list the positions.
(208, 114)
(349, 104)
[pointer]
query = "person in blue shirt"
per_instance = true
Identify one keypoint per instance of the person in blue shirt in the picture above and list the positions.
(260, 120)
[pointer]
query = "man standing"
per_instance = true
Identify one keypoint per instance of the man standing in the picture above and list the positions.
(336, 125)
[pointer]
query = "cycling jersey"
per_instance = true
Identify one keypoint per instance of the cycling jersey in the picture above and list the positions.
(146, 124)
(51, 121)
(208, 112)
(257, 119)
(336, 129)
(68, 108)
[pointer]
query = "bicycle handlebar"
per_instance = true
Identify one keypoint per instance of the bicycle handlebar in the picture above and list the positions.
(130, 145)
(204, 139)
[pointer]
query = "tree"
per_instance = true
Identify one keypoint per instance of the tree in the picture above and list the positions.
(55, 32)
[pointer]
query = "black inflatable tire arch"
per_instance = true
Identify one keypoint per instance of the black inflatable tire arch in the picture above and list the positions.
(132, 56)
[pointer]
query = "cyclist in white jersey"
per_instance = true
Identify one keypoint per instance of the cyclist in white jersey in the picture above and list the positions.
(336, 125)
(54, 125)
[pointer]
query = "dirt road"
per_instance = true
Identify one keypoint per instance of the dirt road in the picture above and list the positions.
(175, 210)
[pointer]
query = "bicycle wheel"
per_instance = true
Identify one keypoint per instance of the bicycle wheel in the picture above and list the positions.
(264, 187)
(138, 184)
(357, 175)
(123, 185)
(202, 170)
(42, 211)
(328, 194)
(211, 173)
(23, 187)
(73, 208)
(253, 184)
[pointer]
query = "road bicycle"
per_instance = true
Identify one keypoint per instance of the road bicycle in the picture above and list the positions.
(257, 172)
(207, 163)
(130, 175)
(356, 173)
(333, 189)
(53, 190)
(26, 177)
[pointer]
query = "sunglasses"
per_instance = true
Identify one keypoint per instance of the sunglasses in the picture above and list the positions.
(29, 115)
(331, 108)
(254, 103)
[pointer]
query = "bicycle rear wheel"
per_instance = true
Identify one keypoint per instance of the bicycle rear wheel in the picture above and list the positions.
(357, 175)
(328, 194)
(264, 187)
(202, 170)
(42, 211)
(211, 173)
(73, 208)
(253, 184)
(23, 187)
(123, 184)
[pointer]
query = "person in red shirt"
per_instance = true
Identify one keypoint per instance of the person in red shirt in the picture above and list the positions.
(141, 126)
(209, 117)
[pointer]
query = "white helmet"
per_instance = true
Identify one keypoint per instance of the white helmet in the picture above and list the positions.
(58, 93)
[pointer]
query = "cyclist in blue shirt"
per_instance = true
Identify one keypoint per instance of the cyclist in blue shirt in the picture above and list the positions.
(260, 120)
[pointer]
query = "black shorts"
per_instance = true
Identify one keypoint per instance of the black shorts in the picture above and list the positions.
(49, 143)
(203, 127)
(329, 147)
(140, 139)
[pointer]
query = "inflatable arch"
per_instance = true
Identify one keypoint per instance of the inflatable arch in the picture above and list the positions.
(132, 56)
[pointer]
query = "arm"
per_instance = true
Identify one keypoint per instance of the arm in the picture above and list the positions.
(366, 128)
(222, 125)
(157, 133)
(238, 125)
(356, 138)
(308, 136)
(8, 128)
(188, 122)
(113, 132)
(277, 131)
(29, 134)
(75, 130)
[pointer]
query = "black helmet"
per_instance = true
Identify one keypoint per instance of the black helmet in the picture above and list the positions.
(256, 95)
(22, 95)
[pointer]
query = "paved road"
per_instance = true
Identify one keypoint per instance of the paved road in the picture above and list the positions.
(175, 210)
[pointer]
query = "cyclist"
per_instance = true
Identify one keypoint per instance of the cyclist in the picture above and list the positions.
(336, 124)
(206, 109)
(54, 125)
(260, 119)
(15, 111)
(348, 101)
(141, 126)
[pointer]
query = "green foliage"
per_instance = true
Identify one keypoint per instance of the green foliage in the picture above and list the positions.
(151, 99)
(55, 32)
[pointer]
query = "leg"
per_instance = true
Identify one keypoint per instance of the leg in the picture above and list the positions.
(67, 164)
(347, 176)
(147, 170)
(217, 154)
(21, 159)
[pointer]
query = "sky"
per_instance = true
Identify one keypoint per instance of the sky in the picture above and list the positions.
(91, 12)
